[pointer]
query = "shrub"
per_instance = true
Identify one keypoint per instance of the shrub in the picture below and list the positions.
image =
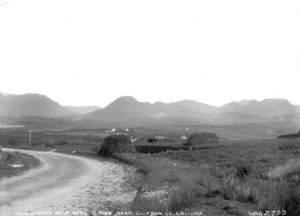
(242, 171)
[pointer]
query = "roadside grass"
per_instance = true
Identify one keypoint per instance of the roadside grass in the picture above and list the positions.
(65, 141)
(167, 185)
(235, 177)
(9, 159)
(185, 197)
(259, 194)
(232, 176)
(263, 194)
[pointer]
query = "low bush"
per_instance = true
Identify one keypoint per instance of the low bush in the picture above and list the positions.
(243, 171)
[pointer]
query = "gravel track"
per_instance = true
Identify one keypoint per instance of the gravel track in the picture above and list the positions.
(66, 183)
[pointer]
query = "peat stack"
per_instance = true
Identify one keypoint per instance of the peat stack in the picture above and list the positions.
(116, 143)
(295, 135)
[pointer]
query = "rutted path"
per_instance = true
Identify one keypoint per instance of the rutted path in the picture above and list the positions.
(65, 182)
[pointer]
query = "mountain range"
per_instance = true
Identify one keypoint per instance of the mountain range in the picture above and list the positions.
(127, 111)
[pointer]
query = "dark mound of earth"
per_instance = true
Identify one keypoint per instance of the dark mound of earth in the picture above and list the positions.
(295, 135)
(117, 143)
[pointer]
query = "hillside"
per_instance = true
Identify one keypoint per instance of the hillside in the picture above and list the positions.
(266, 108)
(31, 105)
(128, 111)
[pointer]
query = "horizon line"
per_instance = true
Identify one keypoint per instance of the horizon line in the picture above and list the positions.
(142, 101)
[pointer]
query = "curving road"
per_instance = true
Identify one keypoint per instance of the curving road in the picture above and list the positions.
(65, 183)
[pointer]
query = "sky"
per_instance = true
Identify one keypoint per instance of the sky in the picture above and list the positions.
(89, 52)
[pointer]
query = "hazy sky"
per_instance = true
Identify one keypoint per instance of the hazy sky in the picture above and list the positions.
(89, 52)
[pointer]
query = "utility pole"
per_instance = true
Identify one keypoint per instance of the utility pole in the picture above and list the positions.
(29, 135)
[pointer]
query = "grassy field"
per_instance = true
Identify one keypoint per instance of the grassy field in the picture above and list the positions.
(231, 178)
(14, 163)
(66, 141)
(234, 177)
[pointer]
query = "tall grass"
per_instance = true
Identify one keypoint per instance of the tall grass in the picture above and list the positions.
(240, 185)
(184, 197)
(264, 194)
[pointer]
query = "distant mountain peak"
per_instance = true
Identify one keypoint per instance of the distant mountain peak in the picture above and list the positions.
(123, 101)
(269, 107)
(187, 101)
(126, 99)
(31, 105)
(127, 110)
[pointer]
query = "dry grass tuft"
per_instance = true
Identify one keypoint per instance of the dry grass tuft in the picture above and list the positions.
(184, 197)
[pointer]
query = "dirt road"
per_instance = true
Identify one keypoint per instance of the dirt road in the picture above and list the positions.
(66, 183)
